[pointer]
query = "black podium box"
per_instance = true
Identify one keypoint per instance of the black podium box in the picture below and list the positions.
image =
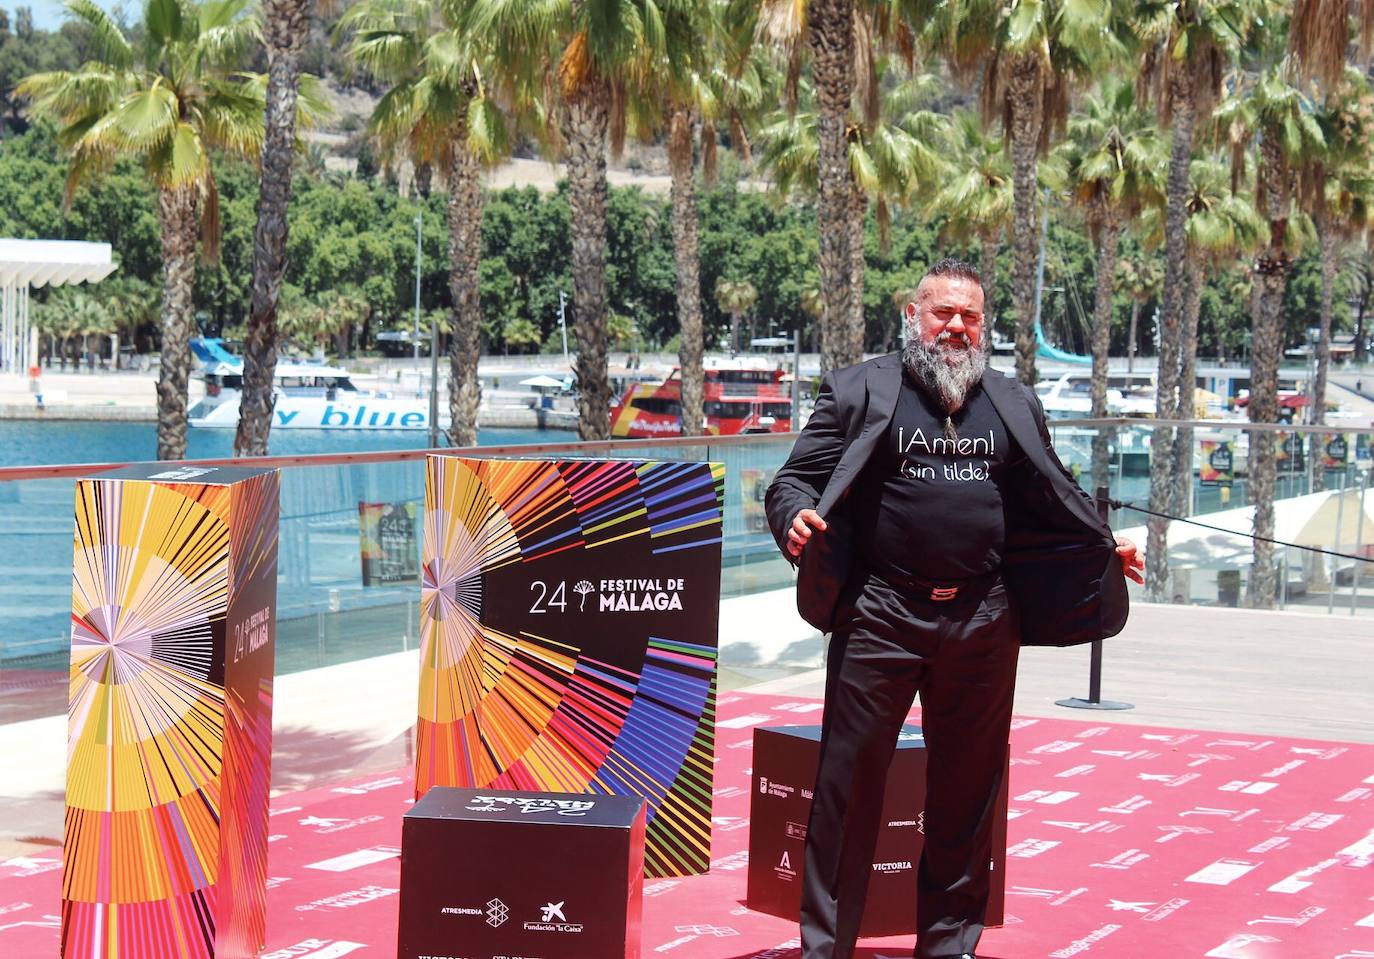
(495, 874)
(785, 760)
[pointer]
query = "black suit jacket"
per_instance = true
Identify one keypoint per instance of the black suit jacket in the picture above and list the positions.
(1059, 562)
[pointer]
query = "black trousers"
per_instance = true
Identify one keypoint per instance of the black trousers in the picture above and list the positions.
(960, 657)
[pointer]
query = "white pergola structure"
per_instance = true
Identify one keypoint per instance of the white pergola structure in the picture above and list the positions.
(30, 263)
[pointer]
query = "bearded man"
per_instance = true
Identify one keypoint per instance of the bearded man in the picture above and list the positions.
(936, 531)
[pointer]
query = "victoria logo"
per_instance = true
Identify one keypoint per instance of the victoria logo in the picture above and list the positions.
(497, 913)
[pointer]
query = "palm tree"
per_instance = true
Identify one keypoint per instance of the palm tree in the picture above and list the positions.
(168, 102)
(826, 28)
(718, 80)
(975, 195)
(1339, 193)
(1278, 118)
(1111, 156)
(1031, 55)
(285, 28)
(1142, 280)
(1187, 47)
(888, 158)
(437, 111)
(594, 53)
(1222, 226)
(830, 35)
(736, 297)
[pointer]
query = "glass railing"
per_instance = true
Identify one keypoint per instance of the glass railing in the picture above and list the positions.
(333, 611)
(330, 610)
(1323, 506)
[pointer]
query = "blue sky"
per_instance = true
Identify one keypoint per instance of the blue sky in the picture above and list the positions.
(49, 14)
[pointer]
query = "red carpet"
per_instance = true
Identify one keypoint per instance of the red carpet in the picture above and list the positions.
(1125, 842)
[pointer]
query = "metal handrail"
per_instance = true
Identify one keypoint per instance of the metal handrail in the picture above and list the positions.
(581, 448)
(1243, 425)
(568, 449)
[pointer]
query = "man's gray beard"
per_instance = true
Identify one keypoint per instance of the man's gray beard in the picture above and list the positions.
(947, 382)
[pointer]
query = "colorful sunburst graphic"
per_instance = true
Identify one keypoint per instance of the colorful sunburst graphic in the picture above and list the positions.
(568, 636)
(153, 724)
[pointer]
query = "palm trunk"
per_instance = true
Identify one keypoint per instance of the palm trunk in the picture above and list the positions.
(424, 178)
(285, 24)
(1166, 380)
(1109, 235)
(681, 133)
(1024, 94)
(831, 36)
(465, 315)
(1330, 247)
(987, 271)
(1183, 439)
(1271, 277)
(854, 328)
(586, 119)
(179, 223)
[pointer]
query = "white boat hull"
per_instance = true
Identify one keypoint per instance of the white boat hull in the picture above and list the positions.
(310, 413)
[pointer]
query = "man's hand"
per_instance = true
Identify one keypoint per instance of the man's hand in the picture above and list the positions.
(800, 533)
(1132, 563)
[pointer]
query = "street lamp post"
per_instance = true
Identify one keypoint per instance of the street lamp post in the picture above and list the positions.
(416, 341)
(563, 325)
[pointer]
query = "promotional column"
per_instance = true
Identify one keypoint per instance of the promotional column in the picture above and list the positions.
(174, 586)
(569, 629)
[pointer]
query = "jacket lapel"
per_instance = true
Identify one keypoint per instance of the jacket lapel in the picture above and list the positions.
(1013, 406)
(882, 386)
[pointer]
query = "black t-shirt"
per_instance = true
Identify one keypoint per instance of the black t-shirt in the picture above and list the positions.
(930, 507)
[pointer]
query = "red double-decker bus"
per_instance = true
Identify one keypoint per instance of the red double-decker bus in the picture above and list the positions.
(738, 396)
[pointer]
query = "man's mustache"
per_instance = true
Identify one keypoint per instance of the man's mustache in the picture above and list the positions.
(949, 336)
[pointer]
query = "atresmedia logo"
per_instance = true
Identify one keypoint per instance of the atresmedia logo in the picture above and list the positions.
(497, 913)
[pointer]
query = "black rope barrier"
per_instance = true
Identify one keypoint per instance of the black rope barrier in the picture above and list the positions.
(1120, 505)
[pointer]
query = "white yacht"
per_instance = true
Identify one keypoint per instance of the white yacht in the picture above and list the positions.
(309, 396)
(1070, 394)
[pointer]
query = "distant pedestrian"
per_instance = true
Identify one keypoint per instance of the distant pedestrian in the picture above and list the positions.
(36, 384)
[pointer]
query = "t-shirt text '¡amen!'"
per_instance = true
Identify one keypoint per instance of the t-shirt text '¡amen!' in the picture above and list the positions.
(918, 444)
(930, 506)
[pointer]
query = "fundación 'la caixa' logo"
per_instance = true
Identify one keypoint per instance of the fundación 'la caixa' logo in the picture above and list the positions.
(553, 919)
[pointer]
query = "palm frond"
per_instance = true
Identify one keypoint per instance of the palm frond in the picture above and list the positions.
(486, 129)
(107, 40)
(143, 119)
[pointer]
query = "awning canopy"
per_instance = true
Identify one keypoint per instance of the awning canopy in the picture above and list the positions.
(27, 263)
(53, 262)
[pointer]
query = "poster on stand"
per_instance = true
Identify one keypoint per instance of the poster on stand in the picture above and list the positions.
(1335, 451)
(1217, 464)
(388, 547)
(174, 591)
(754, 483)
(1288, 451)
(569, 629)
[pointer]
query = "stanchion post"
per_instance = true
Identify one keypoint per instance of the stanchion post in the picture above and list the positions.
(1094, 700)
